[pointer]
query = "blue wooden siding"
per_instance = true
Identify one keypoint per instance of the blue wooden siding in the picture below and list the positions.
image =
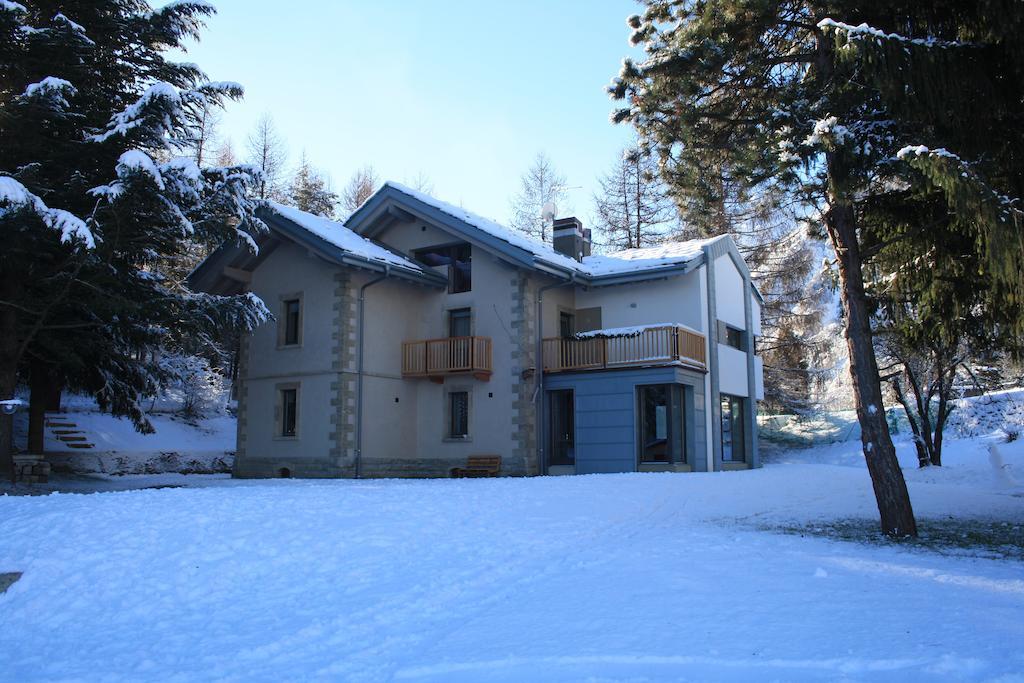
(606, 432)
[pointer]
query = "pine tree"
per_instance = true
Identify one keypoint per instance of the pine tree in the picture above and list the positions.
(542, 185)
(633, 208)
(268, 152)
(95, 202)
(308, 191)
(828, 102)
(361, 185)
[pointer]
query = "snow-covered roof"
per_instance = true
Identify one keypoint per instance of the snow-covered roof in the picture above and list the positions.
(632, 331)
(338, 235)
(493, 228)
(635, 260)
(626, 262)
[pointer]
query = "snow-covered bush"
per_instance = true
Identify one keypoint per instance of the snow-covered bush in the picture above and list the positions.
(197, 389)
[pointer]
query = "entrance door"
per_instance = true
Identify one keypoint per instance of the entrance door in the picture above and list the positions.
(562, 430)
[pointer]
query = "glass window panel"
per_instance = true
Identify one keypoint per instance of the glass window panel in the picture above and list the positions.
(458, 414)
(289, 409)
(291, 322)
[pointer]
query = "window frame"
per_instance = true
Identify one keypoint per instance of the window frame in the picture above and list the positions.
(282, 325)
(451, 252)
(449, 414)
(280, 414)
(675, 424)
(737, 426)
(462, 312)
(733, 337)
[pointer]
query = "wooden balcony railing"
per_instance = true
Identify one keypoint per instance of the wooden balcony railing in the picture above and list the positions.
(435, 358)
(652, 346)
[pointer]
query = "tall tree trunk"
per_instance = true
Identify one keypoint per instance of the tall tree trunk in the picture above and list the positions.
(8, 382)
(9, 287)
(39, 395)
(897, 515)
(923, 460)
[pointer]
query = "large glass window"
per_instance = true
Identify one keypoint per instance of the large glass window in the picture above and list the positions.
(733, 432)
(562, 425)
(458, 415)
(660, 408)
(458, 259)
(734, 337)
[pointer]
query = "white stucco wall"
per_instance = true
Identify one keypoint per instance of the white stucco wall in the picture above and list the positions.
(387, 428)
(677, 299)
(291, 270)
(732, 371)
(729, 293)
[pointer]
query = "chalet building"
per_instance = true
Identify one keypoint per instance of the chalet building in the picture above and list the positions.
(417, 335)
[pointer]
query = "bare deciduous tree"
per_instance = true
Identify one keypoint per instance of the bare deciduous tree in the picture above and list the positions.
(268, 152)
(542, 184)
(633, 208)
(360, 187)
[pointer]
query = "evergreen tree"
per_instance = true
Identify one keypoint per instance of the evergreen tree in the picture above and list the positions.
(308, 191)
(268, 153)
(542, 185)
(94, 202)
(633, 208)
(830, 102)
(360, 187)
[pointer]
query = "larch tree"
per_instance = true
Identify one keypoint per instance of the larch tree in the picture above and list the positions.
(98, 196)
(825, 102)
(541, 185)
(269, 153)
(204, 134)
(308, 191)
(632, 207)
(363, 183)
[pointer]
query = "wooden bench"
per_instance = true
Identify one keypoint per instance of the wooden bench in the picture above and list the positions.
(479, 466)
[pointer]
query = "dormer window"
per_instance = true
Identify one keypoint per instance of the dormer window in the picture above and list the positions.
(457, 258)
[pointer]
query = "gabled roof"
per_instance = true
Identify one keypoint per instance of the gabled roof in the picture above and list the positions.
(337, 240)
(330, 240)
(395, 201)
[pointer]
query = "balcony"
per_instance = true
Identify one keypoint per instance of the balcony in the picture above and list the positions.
(650, 346)
(438, 358)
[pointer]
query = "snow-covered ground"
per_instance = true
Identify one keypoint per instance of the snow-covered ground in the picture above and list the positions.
(633, 577)
(199, 444)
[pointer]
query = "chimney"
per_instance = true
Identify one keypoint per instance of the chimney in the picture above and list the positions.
(570, 239)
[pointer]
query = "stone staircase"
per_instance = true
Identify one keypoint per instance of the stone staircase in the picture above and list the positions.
(63, 429)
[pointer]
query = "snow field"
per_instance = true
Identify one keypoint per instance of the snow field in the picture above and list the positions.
(607, 577)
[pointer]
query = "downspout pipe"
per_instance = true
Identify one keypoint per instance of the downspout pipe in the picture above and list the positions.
(538, 389)
(359, 366)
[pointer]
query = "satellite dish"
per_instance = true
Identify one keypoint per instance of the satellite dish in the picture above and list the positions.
(548, 211)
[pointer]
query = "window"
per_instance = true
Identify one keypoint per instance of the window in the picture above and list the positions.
(458, 414)
(458, 259)
(661, 423)
(291, 334)
(289, 411)
(733, 432)
(566, 324)
(732, 337)
(460, 322)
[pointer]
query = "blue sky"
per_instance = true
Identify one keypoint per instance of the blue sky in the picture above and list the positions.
(464, 92)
